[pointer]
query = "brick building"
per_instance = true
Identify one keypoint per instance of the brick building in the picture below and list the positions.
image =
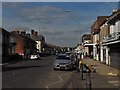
(104, 31)
(95, 31)
(24, 45)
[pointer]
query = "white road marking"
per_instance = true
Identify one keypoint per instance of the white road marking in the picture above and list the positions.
(55, 82)
(60, 77)
(3, 64)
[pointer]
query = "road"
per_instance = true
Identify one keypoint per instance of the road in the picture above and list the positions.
(34, 74)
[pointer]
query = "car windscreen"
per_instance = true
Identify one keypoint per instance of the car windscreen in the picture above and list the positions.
(63, 57)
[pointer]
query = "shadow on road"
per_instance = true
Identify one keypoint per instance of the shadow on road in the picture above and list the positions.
(5, 68)
(22, 60)
(67, 70)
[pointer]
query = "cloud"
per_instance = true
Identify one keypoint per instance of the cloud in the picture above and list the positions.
(43, 14)
(12, 4)
(58, 27)
(66, 39)
(53, 33)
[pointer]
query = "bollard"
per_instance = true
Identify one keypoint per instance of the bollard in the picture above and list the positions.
(88, 80)
(82, 71)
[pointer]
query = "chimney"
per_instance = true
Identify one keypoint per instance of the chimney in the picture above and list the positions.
(23, 33)
(32, 32)
(28, 34)
(114, 11)
(18, 32)
(36, 33)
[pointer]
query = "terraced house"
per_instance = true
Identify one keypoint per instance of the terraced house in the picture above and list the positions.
(106, 39)
(112, 40)
(8, 44)
(24, 45)
(95, 31)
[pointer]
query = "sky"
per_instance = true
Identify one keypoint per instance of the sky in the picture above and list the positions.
(52, 21)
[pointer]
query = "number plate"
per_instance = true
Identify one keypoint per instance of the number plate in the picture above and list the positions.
(62, 65)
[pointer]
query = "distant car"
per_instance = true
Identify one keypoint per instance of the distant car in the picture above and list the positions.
(62, 61)
(35, 56)
(68, 53)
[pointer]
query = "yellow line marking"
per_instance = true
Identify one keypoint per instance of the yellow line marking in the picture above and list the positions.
(112, 74)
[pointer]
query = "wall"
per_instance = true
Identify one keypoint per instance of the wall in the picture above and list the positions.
(104, 31)
(86, 49)
(117, 26)
(0, 46)
(39, 46)
(20, 45)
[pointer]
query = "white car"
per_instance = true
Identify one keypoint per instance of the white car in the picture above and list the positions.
(35, 56)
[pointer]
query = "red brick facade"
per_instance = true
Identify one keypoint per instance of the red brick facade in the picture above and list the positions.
(24, 45)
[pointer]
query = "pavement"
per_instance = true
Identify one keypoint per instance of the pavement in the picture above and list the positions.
(105, 77)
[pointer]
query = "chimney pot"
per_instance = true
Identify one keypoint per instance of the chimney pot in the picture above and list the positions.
(36, 33)
(32, 32)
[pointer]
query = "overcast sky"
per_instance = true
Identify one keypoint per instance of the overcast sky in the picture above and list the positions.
(51, 19)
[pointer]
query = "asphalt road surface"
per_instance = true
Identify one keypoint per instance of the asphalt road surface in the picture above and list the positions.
(34, 74)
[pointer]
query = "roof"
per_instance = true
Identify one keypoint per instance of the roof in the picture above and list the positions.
(95, 28)
(27, 38)
(36, 37)
(4, 31)
(22, 36)
(86, 36)
(115, 16)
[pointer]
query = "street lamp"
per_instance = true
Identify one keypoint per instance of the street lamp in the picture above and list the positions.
(78, 18)
(79, 59)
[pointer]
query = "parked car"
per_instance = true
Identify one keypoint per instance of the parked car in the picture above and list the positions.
(35, 56)
(68, 53)
(62, 61)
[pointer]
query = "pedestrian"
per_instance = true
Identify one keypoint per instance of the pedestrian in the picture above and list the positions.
(80, 63)
(91, 56)
(78, 59)
(86, 54)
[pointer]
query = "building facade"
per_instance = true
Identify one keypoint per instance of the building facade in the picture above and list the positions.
(39, 39)
(87, 44)
(5, 43)
(112, 40)
(104, 31)
(0, 45)
(8, 42)
(95, 31)
(25, 46)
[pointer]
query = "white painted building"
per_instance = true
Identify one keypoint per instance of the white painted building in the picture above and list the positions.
(95, 50)
(39, 39)
(112, 41)
(77, 49)
(104, 31)
(38, 46)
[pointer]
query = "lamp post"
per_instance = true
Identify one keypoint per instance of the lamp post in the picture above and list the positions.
(68, 11)
(78, 56)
